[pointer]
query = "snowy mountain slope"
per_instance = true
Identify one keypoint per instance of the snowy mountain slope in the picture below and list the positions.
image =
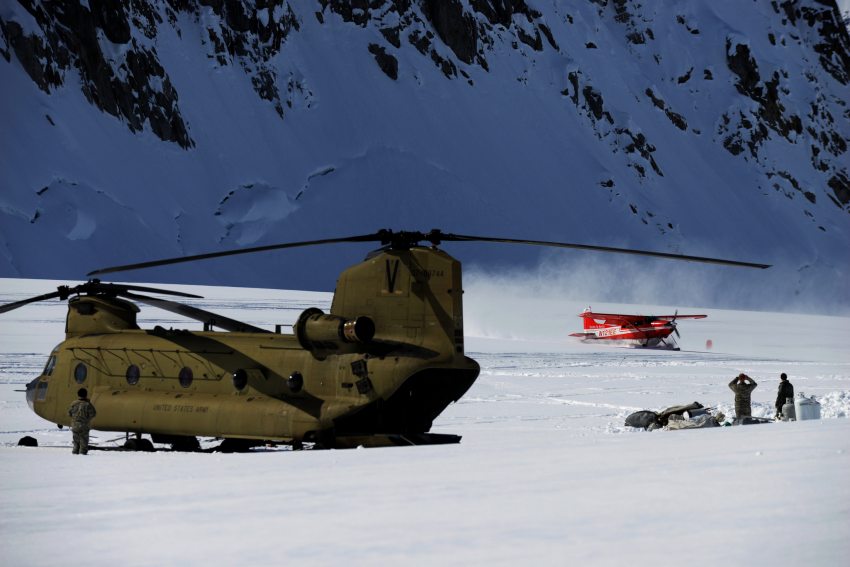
(178, 127)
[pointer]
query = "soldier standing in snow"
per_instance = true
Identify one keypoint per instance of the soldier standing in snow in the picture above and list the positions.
(786, 390)
(742, 391)
(81, 412)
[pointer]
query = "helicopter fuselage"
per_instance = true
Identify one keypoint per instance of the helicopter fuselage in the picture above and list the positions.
(386, 360)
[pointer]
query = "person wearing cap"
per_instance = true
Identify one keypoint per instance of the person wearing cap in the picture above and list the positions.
(81, 413)
(743, 387)
(786, 390)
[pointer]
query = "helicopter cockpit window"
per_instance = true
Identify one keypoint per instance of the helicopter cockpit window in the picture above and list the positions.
(80, 373)
(41, 392)
(51, 364)
(132, 374)
(186, 377)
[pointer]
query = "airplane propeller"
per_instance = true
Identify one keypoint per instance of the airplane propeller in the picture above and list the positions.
(673, 322)
(403, 240)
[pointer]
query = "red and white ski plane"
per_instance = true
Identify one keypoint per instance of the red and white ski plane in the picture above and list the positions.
(646, 331)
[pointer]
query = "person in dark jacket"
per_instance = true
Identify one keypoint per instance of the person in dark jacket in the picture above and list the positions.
(81, 413)
(743, 387)
(786, 390)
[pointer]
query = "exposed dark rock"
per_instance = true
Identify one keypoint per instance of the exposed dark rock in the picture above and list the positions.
(733, 144)
(388, 63)
(655, 100)
(833, 42)
(355, 11)
(392, 35)
(468, 29)
(455, 27)
(446, 66)
(634, 33)
(677, 119)
(35, 57)
(573, 78)
(544, 29)
(771, 112)
(840, 185)
(420, 41)
(741, 62)
(692, 30)
(112, 19)
(640, 145)
(534, 42)
(596, 104)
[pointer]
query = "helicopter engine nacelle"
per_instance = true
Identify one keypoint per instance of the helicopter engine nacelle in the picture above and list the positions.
(316, 330)
(90, 314)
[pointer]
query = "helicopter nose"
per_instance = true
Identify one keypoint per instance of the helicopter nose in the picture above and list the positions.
(31, 388)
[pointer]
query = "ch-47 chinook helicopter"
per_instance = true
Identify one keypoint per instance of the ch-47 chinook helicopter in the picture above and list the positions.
(375, 371)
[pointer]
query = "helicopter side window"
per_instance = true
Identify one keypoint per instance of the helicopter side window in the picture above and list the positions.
(51, 364)
(295, 382)
(240, 379)
(80, 373)
(185, 377)
(133, 374)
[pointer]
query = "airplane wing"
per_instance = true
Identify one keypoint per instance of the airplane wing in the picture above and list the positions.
(613, 318)
(620, 318)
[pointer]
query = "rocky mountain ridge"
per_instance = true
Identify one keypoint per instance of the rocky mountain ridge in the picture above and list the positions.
(638, 97)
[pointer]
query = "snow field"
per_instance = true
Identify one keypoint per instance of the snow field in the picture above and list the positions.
(546, 472)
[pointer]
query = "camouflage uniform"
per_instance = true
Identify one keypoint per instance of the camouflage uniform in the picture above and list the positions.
(742, 396)
(81, 412)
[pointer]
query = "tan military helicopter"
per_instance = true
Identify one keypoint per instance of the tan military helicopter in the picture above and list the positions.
(375, 371)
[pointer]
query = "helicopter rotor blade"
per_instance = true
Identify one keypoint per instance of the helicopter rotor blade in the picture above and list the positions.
(92, 287)
(181, 259)
(108, 286)
(206, 317)
(669, 255)
(21, 303)
(405, 239)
